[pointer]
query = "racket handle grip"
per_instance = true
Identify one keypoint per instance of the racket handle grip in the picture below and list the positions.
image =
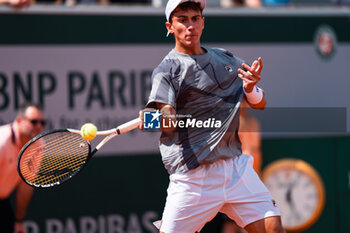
(133, 124)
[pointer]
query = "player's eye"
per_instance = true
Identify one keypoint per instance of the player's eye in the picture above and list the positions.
(196, 18)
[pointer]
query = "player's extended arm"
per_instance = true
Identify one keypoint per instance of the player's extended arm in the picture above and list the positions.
(23, 195)
(168, 116)
(251, 76)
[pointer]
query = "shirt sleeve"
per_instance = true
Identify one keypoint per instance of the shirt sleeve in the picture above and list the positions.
(162, 89)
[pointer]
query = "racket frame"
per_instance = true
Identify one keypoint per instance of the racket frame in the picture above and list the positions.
(111, 134)
(37, 138)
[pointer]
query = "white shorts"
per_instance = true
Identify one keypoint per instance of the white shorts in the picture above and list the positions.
(228, 186)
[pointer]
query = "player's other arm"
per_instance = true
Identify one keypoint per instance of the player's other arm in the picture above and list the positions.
(168, 116)
(251, 76)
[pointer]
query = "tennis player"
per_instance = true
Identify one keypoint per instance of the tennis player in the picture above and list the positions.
(208, 172)
(28, 123)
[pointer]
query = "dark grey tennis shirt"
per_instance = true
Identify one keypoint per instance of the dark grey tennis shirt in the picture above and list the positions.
(206, 93)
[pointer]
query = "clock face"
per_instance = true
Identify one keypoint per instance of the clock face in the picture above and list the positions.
(298, 192)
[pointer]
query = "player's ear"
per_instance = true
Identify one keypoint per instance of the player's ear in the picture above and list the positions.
(169, 27)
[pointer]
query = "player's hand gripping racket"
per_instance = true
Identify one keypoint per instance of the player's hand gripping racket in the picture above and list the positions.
(55, 156)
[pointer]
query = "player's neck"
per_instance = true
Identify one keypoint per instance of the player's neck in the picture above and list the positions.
(194, 50)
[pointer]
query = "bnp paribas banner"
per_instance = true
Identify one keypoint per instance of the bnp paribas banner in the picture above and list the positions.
(108, 85)
(105, 85)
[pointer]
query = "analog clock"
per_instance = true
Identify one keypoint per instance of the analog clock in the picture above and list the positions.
(298, 191)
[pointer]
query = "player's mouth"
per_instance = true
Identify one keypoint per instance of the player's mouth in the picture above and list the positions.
(191, 36)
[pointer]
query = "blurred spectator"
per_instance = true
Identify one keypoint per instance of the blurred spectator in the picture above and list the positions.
(277, 2)
(240, 3)
(131, 1)
(86, 2)
(49, 2)
(16, 3)
(105, 2)
(29, 122)
(254, 3)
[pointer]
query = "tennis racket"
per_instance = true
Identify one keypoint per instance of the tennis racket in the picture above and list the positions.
(56, 156)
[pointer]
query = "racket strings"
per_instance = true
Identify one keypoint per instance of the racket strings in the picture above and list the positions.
(54, 158)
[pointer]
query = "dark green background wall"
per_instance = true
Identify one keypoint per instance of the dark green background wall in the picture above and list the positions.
(110, 29)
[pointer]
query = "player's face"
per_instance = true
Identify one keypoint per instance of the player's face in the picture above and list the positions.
(187, 26)
(32, 123)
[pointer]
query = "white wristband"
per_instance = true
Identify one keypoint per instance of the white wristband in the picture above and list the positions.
(255, 96)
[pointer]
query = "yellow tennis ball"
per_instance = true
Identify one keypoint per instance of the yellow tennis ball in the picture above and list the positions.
(88, 131)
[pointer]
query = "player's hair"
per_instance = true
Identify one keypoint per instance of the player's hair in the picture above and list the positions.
(23, 108)
(189, 5)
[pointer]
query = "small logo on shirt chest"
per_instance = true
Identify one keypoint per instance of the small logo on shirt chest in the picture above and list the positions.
(228, 68)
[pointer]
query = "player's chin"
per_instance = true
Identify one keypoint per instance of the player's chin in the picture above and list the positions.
(191, 43)
(192, 39)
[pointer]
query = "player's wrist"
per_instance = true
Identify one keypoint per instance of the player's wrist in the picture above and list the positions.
(247, 90)
(255, 95)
